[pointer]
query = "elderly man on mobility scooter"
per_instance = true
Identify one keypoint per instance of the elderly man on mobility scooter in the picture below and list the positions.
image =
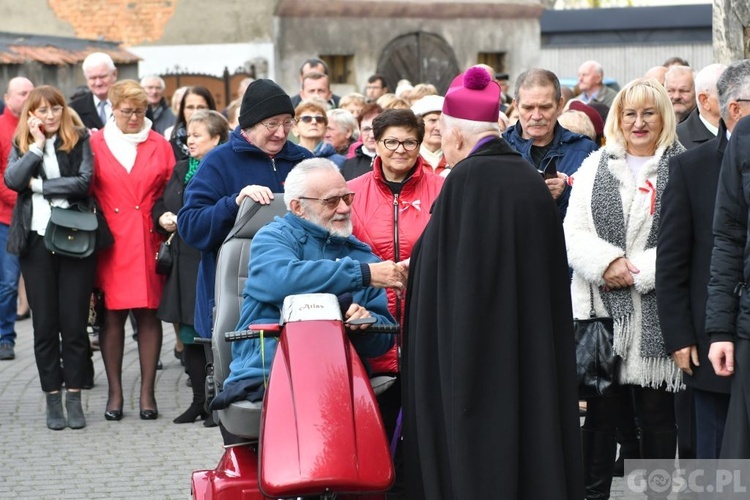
(310, 251)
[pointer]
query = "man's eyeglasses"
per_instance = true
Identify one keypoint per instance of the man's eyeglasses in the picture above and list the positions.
(333, 201)
(365, 130)
(56, 110)
(274, 126)
(130, 112)
(630, 117)
(393, 144)
(312, 118)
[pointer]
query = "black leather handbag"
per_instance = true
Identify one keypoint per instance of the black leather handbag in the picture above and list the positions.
(164, 257)
(71, 231)
(596, 361)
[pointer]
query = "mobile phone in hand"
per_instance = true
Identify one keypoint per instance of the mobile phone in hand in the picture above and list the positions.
(41, 127)
(549, 170)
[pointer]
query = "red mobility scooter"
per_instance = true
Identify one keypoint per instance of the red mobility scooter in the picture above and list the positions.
(318, 431)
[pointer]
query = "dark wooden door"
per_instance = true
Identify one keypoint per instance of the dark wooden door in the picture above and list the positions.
(420, 58)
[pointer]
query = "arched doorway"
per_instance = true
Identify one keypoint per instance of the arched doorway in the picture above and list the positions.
(420, 58)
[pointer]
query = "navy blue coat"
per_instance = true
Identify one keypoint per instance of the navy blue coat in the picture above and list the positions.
(210, 208)
(568, 148)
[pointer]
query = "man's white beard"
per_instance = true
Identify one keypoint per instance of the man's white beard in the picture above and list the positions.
(344, 232)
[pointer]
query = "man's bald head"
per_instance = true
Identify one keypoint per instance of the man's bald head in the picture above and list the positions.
(656, 73)
(590, 77)
(16, 94)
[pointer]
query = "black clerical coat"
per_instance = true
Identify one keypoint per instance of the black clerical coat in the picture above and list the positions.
(491, 397)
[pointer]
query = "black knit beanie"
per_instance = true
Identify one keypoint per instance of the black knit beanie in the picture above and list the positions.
(263, 99)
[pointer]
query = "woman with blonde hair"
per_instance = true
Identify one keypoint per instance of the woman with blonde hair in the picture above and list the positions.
(353, 103)
(51, 166)
(133, 164)
(611, 232)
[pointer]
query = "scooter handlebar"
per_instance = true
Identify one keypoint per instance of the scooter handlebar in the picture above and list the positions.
(248, 334)
(382, 328)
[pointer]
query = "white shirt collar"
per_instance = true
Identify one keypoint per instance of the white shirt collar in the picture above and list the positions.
(708, 125)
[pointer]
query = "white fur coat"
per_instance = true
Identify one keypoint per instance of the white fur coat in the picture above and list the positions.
(589, 256)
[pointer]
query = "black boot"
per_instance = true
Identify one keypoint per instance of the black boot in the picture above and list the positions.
(195, 365)
(598, 463)
(658, 444)
(630, 449)
(194, 412)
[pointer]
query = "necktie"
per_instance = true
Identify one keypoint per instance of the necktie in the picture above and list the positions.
(103, 112)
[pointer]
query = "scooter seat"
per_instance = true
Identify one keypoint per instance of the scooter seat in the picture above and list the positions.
(242, 418)
(381, 383)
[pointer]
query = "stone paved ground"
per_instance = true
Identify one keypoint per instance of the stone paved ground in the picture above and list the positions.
(131, 458)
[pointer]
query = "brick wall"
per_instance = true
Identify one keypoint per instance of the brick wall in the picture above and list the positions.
(132, 22)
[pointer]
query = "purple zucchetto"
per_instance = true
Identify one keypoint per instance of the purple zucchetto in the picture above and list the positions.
(474, 96)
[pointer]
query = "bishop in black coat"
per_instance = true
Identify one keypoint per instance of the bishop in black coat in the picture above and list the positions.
(491, 397)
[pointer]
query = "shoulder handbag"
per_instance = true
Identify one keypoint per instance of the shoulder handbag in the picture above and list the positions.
(164, 257)
(596, 362)
(71, 231)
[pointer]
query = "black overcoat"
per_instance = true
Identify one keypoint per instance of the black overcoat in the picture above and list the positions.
(178, 298)
(491, 398)
(692, 132)
(683, 255)
(87, 112)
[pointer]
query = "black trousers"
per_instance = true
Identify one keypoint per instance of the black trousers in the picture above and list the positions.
(684, 412)
(710, 417)
(58, 289)
(736, 441)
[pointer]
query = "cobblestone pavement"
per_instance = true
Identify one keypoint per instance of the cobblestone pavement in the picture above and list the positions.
(131, 458)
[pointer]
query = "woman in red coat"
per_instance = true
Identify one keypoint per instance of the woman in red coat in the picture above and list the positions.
(389, 213)
(132, 166)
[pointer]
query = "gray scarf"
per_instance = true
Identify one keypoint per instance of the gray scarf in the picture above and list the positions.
(610, 224)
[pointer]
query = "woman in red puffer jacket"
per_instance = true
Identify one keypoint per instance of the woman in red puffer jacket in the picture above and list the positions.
(389, 213)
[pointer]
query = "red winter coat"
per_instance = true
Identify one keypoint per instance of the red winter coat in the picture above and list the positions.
(8, 124)
(391, 225)
(126, 271)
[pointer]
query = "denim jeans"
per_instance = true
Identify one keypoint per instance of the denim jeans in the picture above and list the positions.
(9, 273)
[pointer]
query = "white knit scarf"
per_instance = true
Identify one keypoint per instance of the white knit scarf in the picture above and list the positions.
(124, 147)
